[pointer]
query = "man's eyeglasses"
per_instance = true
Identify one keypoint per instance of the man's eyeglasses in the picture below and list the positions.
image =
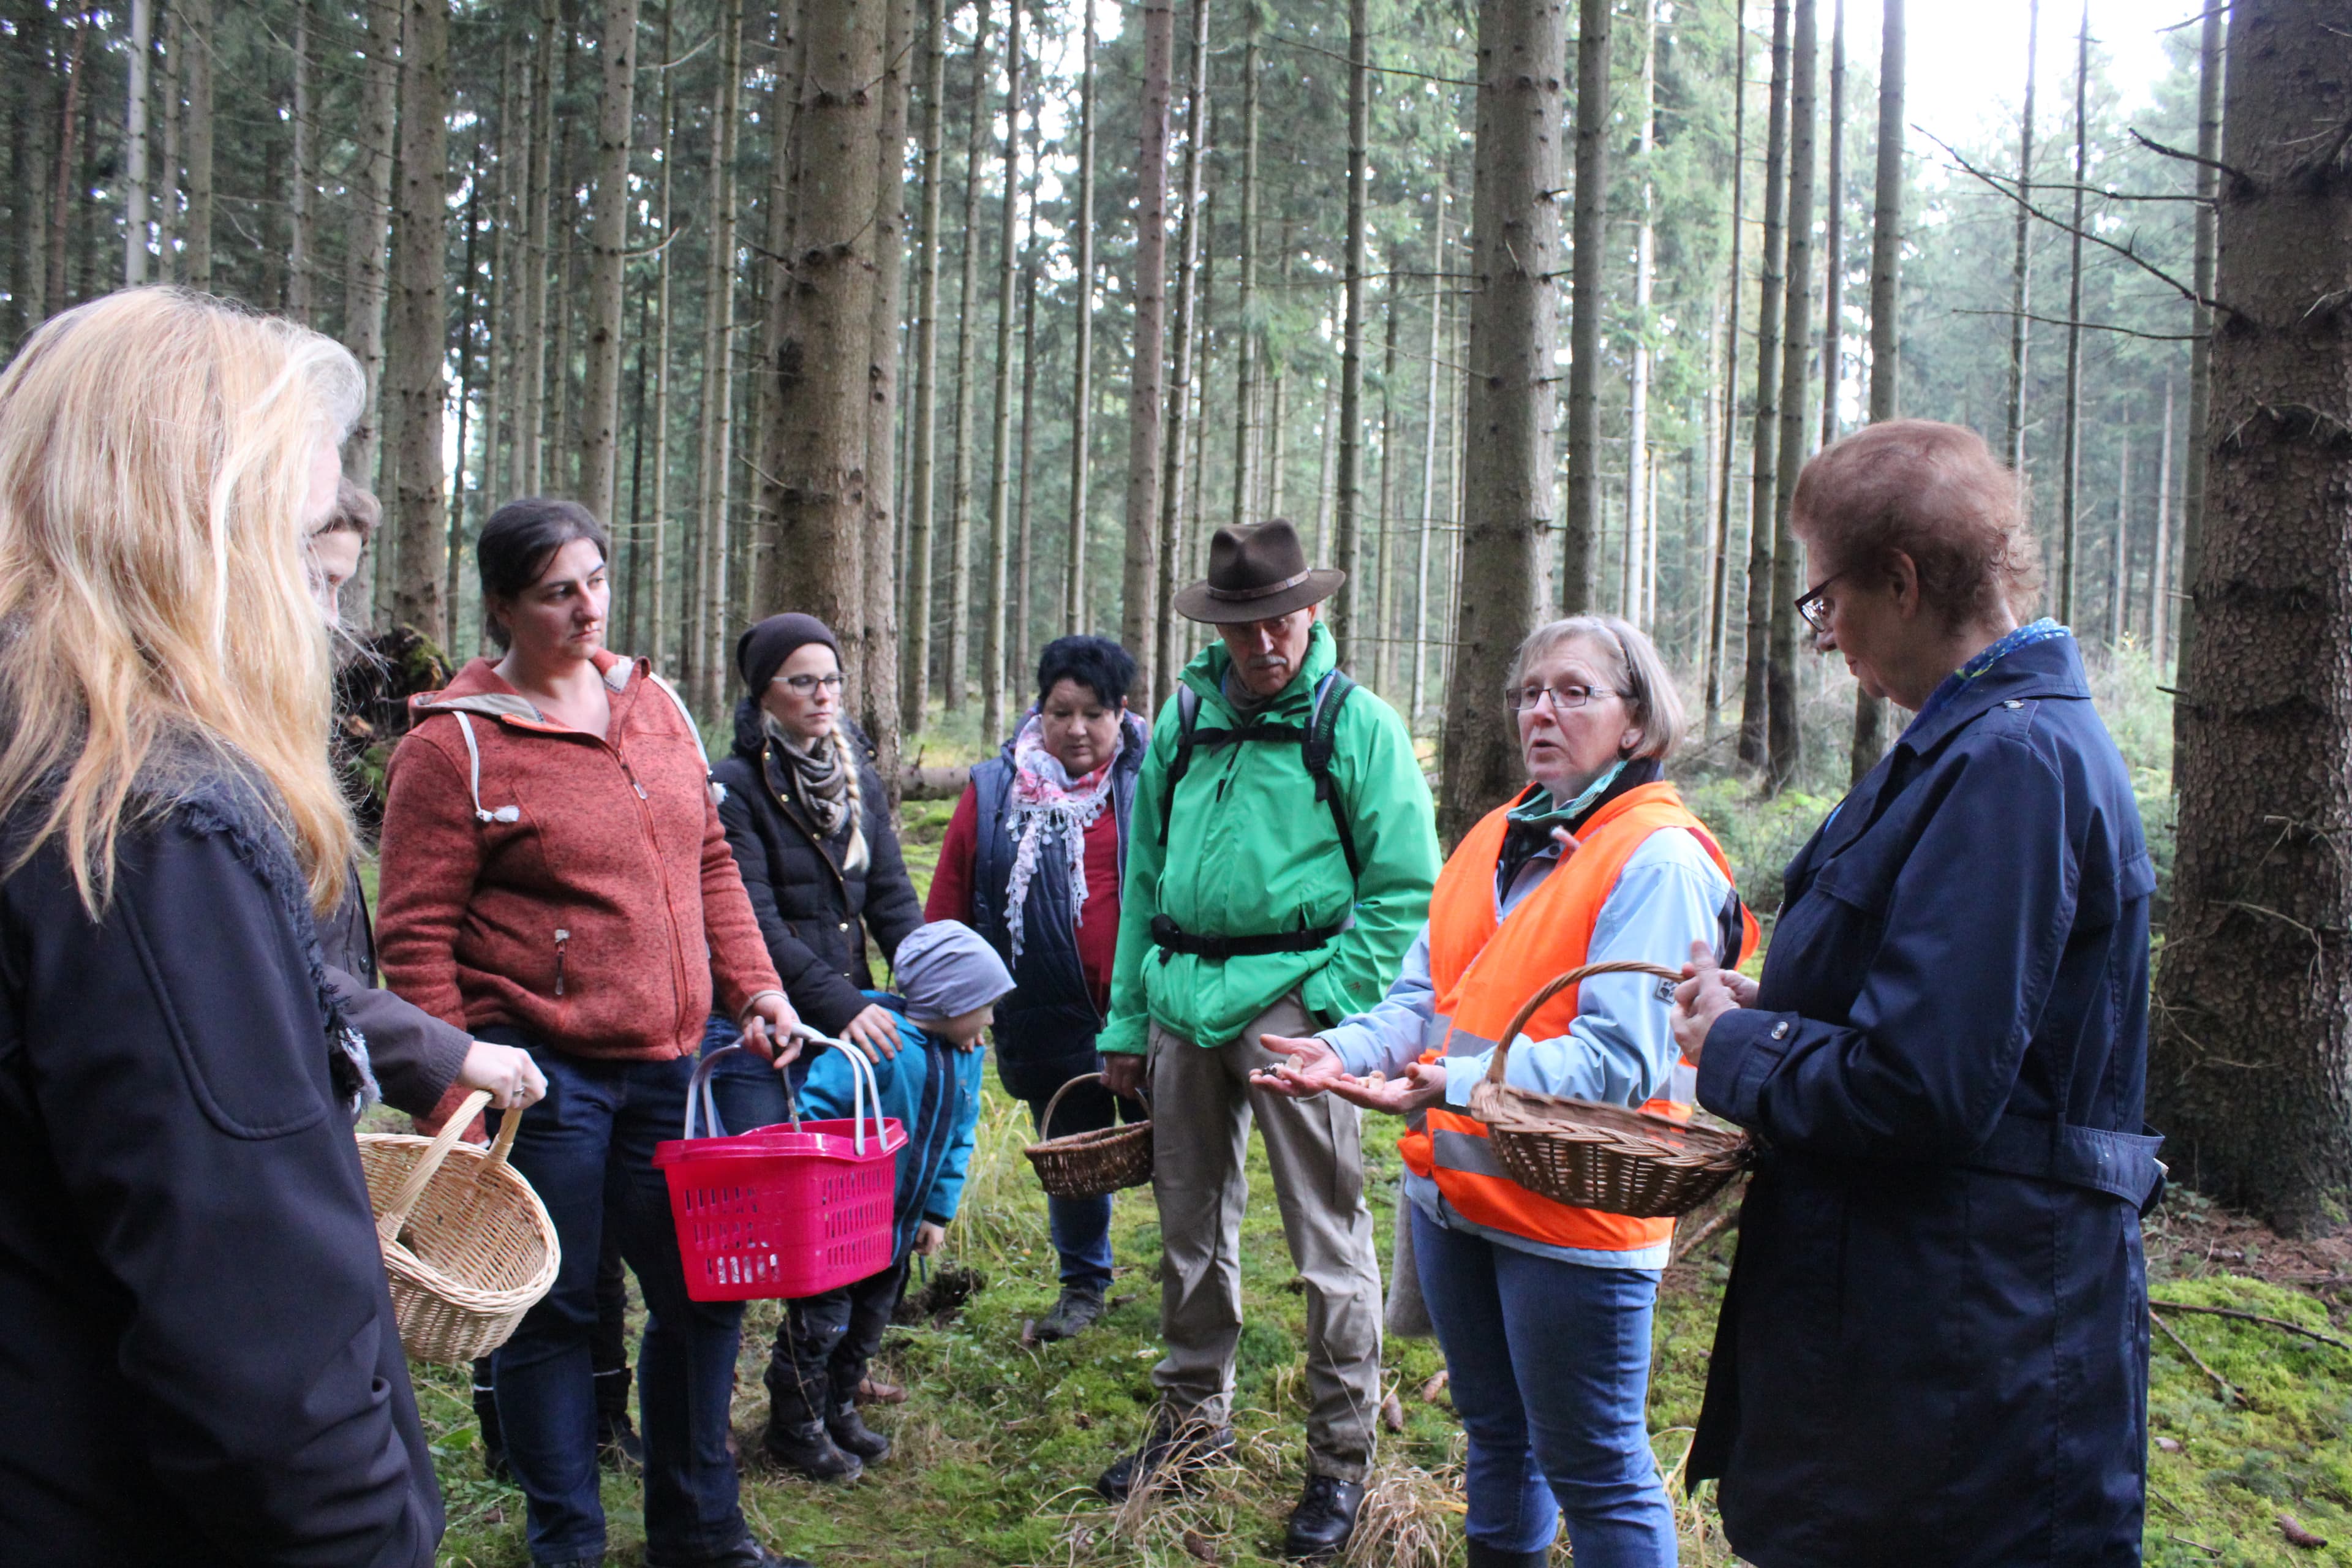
(804, 684)
(1814, 604)
(1524, 699)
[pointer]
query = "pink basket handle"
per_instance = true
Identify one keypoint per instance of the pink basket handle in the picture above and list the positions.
(862, 1082)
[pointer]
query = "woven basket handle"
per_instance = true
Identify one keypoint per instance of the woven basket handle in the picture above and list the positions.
(1045, 1123)
(420, 1174)
(1553, 988)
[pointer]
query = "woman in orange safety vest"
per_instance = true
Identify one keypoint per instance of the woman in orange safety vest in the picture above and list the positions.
(1544, 1310)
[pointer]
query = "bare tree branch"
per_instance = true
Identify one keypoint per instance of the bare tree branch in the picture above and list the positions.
(1376, 70)
(2007, 187)
(2157, 147)
(2091, 326)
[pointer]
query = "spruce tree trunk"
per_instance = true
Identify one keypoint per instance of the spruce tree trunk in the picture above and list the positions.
(1341, 610)
(1424, 519)
(2213, 68)
(134, 131)
(167, 267)
(923, 427)
(1245, 330)
(1634, 591)
(1719, 599)
(2159, 566)
(657, 568)
(196, 22)
(1138, 577)
(959, 662)
(420, 324)
(703, 667)
(1507, 476)
(774, 274)
(2119, 560)
(363, 281)
(1764, 460)
(608, 239)
(2250, 1074)
(1833, 235)
(1886, 296)
(301, 195)
(2020, 283)
(1075, 616)
(453, 553)
(1000, 476)
(880, 703)
(1167, 650)
(531, 377)
(1580, 533)
(818, 493)
(1780, 677)
(2071, 478)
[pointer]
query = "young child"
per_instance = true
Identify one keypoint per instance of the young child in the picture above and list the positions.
(949, 981)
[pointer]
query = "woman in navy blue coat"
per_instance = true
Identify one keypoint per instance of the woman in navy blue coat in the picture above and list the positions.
(1933, 1346)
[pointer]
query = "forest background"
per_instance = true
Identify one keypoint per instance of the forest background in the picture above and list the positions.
(964, 325)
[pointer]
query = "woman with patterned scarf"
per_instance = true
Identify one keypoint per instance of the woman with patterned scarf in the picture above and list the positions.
(1032, 861)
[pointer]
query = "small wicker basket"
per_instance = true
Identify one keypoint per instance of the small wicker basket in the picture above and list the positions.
(469, 1246)
(1090, 1164)
(1596, 1156)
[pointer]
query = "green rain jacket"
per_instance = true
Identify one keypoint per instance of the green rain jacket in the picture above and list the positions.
(1249, 852)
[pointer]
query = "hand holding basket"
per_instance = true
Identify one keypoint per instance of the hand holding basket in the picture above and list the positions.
(1595, 1156)
(1089, 1164)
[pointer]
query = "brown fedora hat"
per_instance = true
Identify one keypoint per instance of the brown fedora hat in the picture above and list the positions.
(1256, 571)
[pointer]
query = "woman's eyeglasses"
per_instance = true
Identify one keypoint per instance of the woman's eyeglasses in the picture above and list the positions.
(1524, 699)
(1815, 606)
(804, 684)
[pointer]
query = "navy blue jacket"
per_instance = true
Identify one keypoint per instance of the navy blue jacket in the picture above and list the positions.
(1045, 1030)
(198, 1362)
(1926, 1356)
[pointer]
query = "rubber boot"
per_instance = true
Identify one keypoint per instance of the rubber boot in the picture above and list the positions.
(851, 1434)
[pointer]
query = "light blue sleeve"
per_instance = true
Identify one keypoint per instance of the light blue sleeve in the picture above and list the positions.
(1395, 1032)
(1621, 1048)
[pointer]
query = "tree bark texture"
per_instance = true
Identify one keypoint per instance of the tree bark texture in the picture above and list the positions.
(530, 383)
(705, 665)
(420, 327)
(1507, 473)
(1074, 617)
(1886, 296)
(1245, 324)
(1634, 588)
(923, 425)
(1580, 529)
(1346, 500)
(2250, 1077)
(1764, 459)
(1000, 474)
(134, 135)
(1780, 677)
(2213, 68)
(608, 239)
(958, 676)
(196, 26)
(1719, 601)
(2070, 479)
(879, 701)
(1168, 652)
(2021, 284)
(1147, 388)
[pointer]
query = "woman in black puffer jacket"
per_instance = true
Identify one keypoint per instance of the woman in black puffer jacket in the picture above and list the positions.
(812, 831)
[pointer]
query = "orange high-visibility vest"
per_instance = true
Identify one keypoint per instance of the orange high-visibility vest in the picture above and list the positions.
(1483, 970)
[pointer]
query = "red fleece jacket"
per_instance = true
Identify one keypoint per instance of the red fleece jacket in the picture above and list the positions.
(594, 905)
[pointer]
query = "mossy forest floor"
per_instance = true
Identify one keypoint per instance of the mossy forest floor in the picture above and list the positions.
(999, 1440)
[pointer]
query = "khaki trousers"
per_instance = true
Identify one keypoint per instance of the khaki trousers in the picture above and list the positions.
(1202, 1107)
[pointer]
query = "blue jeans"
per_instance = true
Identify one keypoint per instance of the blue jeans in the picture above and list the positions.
(1550, 1364)
(1081, 1226)
(587, 1149)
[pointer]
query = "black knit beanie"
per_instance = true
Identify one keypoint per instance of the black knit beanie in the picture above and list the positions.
(761, 651)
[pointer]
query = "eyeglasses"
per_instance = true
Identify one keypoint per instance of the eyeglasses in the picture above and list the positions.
(804, 684)
(1814, 607)
(1563, 698)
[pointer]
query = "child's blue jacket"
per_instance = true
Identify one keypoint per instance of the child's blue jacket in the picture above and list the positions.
(933, 1089)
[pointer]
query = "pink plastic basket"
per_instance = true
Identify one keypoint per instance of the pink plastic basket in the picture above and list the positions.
(785, 1211)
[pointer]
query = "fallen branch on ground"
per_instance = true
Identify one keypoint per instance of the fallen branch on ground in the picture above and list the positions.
(2228, 1393)
(2252, 1318)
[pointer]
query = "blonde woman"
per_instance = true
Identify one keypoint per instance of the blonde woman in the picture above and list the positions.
(201, 1365)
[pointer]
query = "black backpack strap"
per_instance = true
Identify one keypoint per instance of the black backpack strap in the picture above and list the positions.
(1330, 695)
(1188, 715)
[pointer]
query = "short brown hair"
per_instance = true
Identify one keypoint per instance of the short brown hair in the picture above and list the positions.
(1934, 493)
(356, 511)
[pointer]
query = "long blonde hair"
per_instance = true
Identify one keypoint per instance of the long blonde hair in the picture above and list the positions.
(155, 452)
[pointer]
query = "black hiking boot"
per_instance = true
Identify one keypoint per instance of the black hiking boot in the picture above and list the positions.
(851, 1434)
(618, 1446)
(1072, 1315)
(747, 1553)
(1323, 1518)
(1495, 1557)
(1177, 1453)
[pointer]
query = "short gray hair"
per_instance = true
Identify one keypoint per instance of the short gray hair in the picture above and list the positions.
(1640, 674)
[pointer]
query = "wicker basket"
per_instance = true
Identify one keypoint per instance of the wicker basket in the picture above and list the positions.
(1090, 1164)
(467, 1245)
(1595, 1156)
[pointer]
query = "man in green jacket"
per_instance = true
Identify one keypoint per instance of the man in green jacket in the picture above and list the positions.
(1280, 864)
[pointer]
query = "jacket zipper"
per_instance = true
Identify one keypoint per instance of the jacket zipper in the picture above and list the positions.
(670, 903)
(561, 937)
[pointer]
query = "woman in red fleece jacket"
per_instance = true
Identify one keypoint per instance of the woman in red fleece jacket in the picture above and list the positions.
(555, 877)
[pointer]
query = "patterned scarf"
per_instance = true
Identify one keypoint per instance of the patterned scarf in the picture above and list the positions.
(1045, 800)
(824, 776)
(1954, 683)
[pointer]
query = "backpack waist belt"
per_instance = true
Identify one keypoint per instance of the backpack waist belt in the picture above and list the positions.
(1172, 939)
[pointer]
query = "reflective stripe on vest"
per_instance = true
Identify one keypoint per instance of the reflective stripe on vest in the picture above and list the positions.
(1483, 969)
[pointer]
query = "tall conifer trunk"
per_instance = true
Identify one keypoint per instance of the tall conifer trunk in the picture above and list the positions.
(1781, 680)
(1139, 574)
(999, 475)
(419, 329)
(1580, 529)
(1764, 451)
(608, 238)
(1886, 296)
(1075, 616)
(923, 422)
(957, 677)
